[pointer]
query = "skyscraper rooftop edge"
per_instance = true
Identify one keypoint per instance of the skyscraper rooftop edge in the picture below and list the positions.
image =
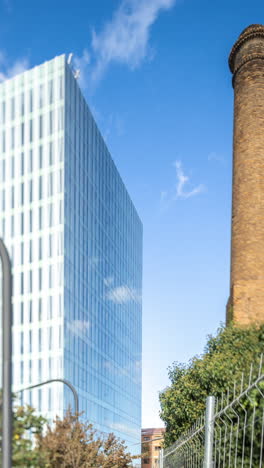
(64, 58)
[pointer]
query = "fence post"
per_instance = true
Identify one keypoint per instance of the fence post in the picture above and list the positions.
(161, 458)
(209, 432)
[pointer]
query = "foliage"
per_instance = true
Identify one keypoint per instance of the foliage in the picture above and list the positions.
(71, 443)
(26, 425)
(226, 355)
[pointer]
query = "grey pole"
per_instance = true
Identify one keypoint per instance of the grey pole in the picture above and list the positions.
(161, 458)
(64, 381)
(209, 432)
(7, 357)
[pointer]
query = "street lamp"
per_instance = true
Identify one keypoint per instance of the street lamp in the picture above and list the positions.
(6, 356)
(64, 381)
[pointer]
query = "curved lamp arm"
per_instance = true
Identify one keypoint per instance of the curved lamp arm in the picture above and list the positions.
(65, 382)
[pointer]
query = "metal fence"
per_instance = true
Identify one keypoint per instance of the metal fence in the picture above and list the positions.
(230, 434)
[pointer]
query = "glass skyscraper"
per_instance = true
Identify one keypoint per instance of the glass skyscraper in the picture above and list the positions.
(75, 241)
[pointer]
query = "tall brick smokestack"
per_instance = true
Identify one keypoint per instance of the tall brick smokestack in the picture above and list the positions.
(246, 61)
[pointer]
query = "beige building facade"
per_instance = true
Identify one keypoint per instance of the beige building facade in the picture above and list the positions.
(151, 444)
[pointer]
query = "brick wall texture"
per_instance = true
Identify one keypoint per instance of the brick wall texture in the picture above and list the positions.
(246, 302)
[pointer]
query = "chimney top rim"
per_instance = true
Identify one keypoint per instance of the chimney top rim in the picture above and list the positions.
(253, 30)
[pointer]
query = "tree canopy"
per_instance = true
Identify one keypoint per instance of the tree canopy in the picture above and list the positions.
(225, 357)
(71, 443)
(67, 443)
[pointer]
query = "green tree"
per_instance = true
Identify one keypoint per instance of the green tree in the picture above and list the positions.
(226, 355)
(26, 425)
(71, 443)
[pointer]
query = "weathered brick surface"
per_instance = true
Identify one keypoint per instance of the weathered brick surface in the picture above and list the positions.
(246, 302)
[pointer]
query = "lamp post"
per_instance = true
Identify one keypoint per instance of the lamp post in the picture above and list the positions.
(64, 381)
(6, 356)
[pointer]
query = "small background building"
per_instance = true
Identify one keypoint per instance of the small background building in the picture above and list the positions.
(151, 443)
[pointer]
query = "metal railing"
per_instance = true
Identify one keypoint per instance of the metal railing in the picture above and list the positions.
(230, 434)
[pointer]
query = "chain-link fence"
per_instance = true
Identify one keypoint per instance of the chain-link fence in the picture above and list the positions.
(230, 435)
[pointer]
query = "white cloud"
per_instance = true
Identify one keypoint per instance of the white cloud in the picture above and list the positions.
(108, 280)
(122, 295)
(183, 182)
(182, 190)
(79, 327)
(9, 69)
(124, 39)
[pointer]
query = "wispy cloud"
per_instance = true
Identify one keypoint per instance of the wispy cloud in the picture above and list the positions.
(122, 295)
(183, 189)
(183, 184)
(124, 39)
(79, 327)
(9, 69)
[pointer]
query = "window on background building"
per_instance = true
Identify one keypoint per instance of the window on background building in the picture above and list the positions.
(31, 131)
(22, 193)
(39, 399)
(40, 249)
(22, 313)
(21, 342)
(30, 250)
(30, 281)
(3, 142)
(21, 372)
(40, 217)
(30, 341)
(31, 100)
(40, 278)
(40, 369)
(49, 307)
(41, 95)
(12, 197)
(22, 135)
(30, 162)
(40, 309)
(30, 220)
(40, 188)
(30, 318)
(12, 167)
(22, 283)
(30, 191)
(40, 157)
(12, 108)
(22, 253)
(51, 123)
(49, 400)
(41, 126)
(22, 104)
(40, 340)
(51, 153)
(50, 91)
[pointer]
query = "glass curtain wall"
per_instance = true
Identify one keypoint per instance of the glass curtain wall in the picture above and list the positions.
(103, 255)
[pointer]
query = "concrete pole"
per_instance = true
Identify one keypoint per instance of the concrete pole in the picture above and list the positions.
(7, 357)
(161, 458)
(209, 432)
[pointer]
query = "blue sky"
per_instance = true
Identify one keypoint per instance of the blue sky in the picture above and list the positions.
(155, 75)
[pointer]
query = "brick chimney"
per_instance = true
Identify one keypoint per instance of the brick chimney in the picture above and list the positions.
(246, 61)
